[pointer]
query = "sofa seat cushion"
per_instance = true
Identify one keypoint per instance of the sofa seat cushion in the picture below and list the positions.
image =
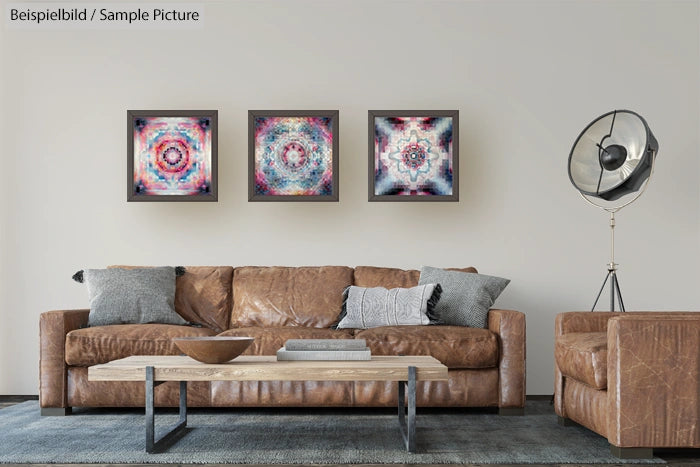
(269, 340)
(583, 356)
(101, 344)
(288, 296)
(391, 278)
(455, 346)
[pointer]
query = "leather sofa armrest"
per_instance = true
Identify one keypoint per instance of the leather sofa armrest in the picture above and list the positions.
(510, 327)
(654, 380)
(53, 327)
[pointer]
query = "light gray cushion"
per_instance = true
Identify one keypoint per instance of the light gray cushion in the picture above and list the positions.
(131, 296)
(466, 297)
(365, 308)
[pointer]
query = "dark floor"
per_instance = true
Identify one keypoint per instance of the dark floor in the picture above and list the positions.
(677, 457)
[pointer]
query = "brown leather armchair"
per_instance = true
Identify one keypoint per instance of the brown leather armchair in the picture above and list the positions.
(633, 378)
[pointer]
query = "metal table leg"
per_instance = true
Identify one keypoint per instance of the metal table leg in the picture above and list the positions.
(408, 428)
(151, 444)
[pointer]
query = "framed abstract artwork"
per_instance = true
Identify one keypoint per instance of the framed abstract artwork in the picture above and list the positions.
(413, 155)
(171, 155)
(293, 155)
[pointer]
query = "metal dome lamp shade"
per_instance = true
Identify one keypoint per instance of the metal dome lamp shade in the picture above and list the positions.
(612, 158)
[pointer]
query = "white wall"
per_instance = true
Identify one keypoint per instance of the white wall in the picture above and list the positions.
(526, 76)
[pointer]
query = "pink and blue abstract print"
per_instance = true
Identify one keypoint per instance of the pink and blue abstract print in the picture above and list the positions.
(172, 155)
(294, 156)
(413, 156)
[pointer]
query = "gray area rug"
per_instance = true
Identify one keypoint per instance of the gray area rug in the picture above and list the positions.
(292, 436)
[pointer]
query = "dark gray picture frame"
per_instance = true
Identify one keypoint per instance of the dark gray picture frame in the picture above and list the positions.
(132, 115)
(335, 125)
(454, 114)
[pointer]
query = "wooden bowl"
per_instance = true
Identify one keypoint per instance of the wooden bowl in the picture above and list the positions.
(213, 349)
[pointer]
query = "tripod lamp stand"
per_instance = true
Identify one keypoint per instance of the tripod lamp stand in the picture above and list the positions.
(610, 164)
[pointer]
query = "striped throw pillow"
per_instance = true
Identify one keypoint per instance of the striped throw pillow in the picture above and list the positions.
(365, 308)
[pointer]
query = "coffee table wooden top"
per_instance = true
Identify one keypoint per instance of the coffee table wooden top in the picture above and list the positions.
(267, 368)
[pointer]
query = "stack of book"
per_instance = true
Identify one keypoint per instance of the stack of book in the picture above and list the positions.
(324, 349)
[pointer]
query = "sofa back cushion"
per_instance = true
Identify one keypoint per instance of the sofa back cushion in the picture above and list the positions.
(390, 278)
(203, 295)
(288, 296)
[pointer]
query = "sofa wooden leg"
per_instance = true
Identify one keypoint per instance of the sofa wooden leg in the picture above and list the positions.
(55, 411)
(511, 411)
(563, 421)
(632, 453)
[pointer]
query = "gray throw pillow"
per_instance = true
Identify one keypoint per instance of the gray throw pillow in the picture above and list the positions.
(466, 297)
(131, 296)
(365, 308)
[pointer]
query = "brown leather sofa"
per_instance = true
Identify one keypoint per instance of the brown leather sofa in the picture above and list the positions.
(633, 378)
(273, 304)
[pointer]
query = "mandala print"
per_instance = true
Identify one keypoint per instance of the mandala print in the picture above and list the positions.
(172, 155)
(413, 156)
(294, 156)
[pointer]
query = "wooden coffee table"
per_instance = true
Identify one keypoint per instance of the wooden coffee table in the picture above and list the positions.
(154, 370)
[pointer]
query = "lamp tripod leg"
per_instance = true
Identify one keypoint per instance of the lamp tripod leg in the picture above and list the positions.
(619, 292)
(601, 291)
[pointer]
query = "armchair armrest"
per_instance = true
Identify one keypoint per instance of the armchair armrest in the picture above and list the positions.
(53, 327)
(654, 380)
(575, 321)
(582, 321)
(510, 327)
